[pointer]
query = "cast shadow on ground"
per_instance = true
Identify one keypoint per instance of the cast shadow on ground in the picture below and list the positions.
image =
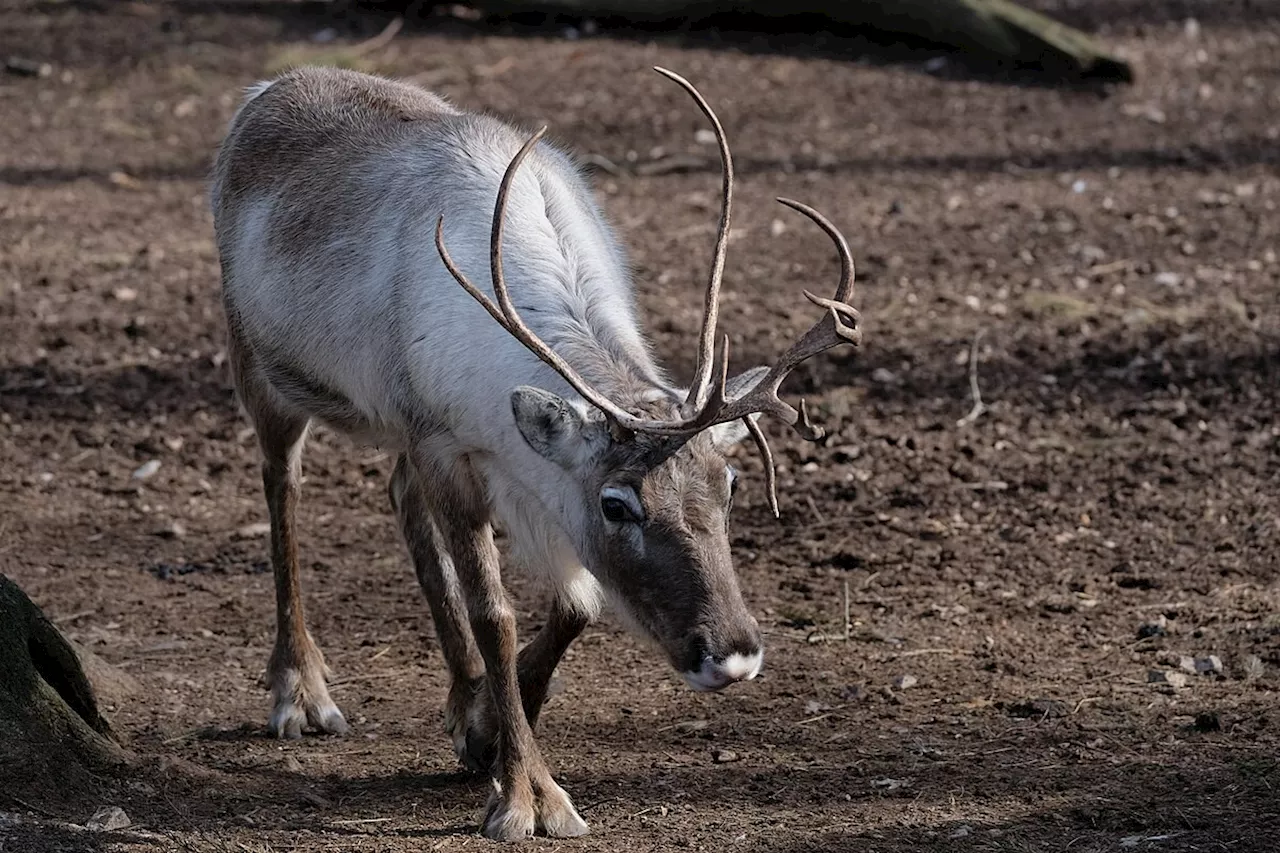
(1203, 796)
(1189, 157)
(798, 35)
(1112, 369)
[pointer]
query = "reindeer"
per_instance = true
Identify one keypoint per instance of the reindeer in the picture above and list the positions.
(537, 408)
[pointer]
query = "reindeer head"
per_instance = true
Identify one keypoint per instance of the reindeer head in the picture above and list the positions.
(652, 473)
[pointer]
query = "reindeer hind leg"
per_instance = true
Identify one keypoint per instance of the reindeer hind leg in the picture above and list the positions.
(296, 671)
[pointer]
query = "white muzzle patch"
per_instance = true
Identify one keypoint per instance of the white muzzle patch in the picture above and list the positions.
(715, 676)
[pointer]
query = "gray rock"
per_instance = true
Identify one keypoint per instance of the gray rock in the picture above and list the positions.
(1210, 665)
(1167, 678)
(108, 818)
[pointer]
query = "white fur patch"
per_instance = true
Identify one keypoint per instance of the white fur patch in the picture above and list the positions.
(715, 676)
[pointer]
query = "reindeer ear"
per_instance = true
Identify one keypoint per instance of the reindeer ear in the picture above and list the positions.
(744, 382)
(726, 435)
(554, 427)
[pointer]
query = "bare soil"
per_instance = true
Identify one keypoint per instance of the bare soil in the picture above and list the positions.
(1114, 252)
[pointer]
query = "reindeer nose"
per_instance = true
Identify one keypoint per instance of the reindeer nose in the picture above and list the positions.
(714, 672)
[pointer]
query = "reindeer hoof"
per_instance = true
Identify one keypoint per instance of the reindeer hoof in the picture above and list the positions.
(288, 719)
(556, 815)
(508, 819)
(301, 699)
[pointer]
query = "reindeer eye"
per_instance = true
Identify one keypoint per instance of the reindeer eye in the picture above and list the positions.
(620, 505)
(614, 510)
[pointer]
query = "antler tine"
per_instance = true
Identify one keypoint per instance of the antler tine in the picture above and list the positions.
(844, 290)
(770, 474)
(703, 367)
(841, 324)
(505, 313)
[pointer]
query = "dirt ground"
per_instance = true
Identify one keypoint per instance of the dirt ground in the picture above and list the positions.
(1113, 253)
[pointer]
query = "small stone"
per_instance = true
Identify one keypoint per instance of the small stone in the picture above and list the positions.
(292, 765)
(1211, 665)
(124, 294)
(884, 376)
(705, 137)
(108, 818)
(1186, 663)
(905, 682)
(1168, 279)
(1167, 678)
(724, 756)
(147, 470)
(123, 180)
(253, 531)
(962, 831)
(21, 67)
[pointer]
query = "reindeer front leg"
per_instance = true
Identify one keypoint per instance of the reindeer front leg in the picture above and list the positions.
(477, 748)
(526, 797)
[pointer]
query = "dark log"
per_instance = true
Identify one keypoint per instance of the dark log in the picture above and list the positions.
(997, 31)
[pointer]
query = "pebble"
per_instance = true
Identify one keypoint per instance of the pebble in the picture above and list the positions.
(905, 682)
(253, 531)
(147, 470)
(724, 756)
(22, 67)
(1169, 678)
(108, 818)
(1211, 665)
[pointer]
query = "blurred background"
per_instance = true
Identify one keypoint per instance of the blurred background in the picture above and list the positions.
(1024, 597)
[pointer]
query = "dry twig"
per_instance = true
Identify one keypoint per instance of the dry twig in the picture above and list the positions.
(978, 406)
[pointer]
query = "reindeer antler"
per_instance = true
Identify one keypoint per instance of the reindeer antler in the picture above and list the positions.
(706, 404)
